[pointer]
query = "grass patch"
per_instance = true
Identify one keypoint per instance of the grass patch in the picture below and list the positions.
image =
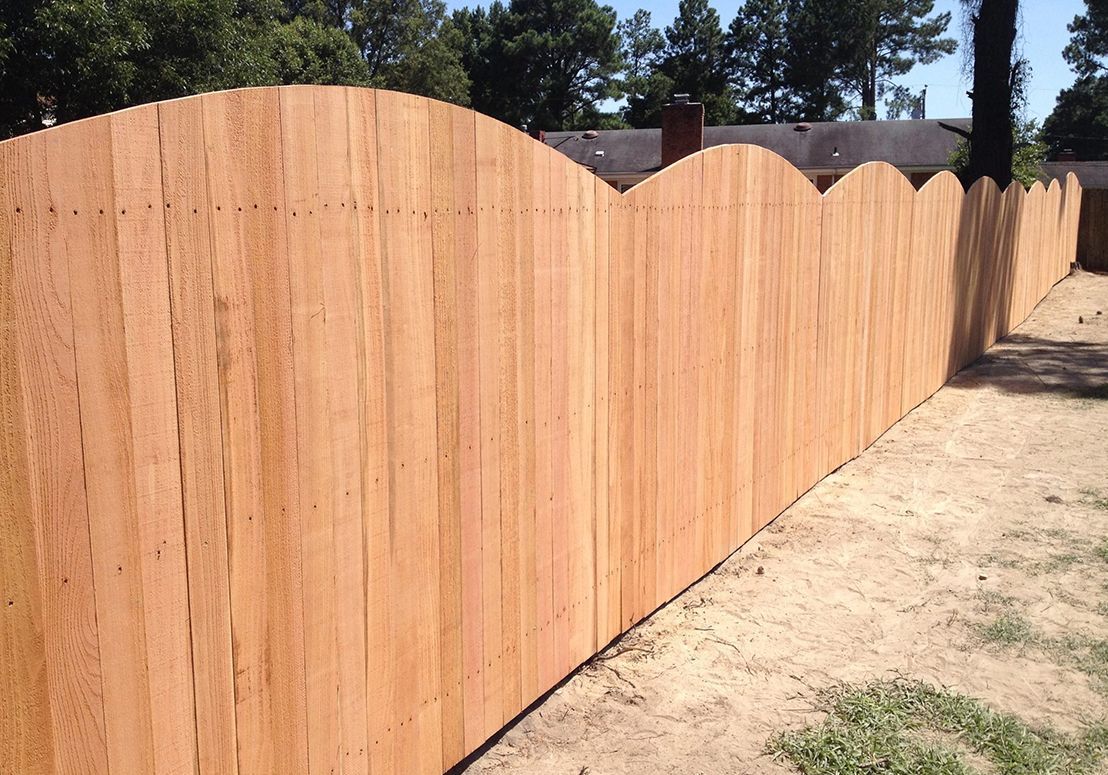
(1080, 651)
(1102, 550)
(908, 727)
(1095, 499)
(1011, 628)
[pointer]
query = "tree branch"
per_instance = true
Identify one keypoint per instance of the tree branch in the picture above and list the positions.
(955, 129)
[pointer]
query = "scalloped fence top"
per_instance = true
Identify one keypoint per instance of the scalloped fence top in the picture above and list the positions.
(339, 425)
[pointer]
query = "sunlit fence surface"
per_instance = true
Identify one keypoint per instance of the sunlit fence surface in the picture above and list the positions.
(339, 424)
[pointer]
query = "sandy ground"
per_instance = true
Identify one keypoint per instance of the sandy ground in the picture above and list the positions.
(988, 498)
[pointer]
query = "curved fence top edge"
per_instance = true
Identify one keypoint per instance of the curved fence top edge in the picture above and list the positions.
(705, 155)
(879, 167)
(702, 155)
(941, 179)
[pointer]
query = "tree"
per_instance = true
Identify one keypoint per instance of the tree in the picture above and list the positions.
(998, 80)
(547, 64)
(1079, 121)
(1089, 42)
(886, 39)
(695, 60)
(305, 51)
(1029, 152)
(411, 45)
(67, 59)
(492, 81)
(758, 50)
(569, 55)
(816, 31)
(645, 87)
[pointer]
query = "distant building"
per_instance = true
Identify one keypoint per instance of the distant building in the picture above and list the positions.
(1092, 174)
(823, 151)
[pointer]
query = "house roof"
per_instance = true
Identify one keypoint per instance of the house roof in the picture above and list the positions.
(1092, 174)
(906, 143)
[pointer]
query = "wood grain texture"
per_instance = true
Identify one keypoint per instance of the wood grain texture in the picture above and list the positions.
(56, 504)
(26, 732)
(409, 328)
(341, 424)
(88, 220)
(250, 275)
(189, 254)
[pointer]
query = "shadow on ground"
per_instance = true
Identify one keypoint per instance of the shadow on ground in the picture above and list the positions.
(1030, 364)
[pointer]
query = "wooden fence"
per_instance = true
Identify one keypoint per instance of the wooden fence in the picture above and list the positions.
(340, 425)
(1092, 234)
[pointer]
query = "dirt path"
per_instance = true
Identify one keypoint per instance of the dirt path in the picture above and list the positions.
(968, 547)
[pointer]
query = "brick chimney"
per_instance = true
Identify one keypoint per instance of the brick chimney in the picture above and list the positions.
(682, 129)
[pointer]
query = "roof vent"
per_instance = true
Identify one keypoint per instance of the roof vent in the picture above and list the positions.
(680, 99)
(803, 126)
(590, 134)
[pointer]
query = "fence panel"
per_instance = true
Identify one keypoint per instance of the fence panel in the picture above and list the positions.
(341, 424)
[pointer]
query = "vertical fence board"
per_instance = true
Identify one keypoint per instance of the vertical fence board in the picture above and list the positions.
(373, 425)
(189, 253)
(57, 508)
(546, 666)
(344, 342)
(254, 329)
(445, 214)
(406, 249)
(26, 731)
(80, 160)
(314, 367)
(606, 201)
(488, 323)
(140, 234)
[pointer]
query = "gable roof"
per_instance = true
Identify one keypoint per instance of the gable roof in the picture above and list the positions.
(904, 143)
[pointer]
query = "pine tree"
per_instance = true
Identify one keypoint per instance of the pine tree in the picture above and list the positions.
(695, 60)
(644, 86)
(758, 52)
(886, 39)
(1079, 121)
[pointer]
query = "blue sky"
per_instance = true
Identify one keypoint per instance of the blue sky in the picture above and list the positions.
(1043, 37)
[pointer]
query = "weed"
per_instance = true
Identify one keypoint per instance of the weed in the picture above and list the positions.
(1095, 499)
(881, 727)
(1011, 628)
(991, 600)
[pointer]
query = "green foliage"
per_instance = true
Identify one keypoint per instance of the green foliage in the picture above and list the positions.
(66, 59)
(885, 39)
(412, 46)
(305, 51)
(819, 49)
(1088, 45)
(1079, 121)
(696, 62)
(644, 86)
(1029, 152)
(758, 50)
(912, 727)
(547, 64)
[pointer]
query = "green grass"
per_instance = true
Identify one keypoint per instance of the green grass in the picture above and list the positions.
(1011, 628)
(1077, 650)
(913, 728)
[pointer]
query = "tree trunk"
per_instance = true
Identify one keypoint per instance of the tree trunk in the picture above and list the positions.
(994, 32)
